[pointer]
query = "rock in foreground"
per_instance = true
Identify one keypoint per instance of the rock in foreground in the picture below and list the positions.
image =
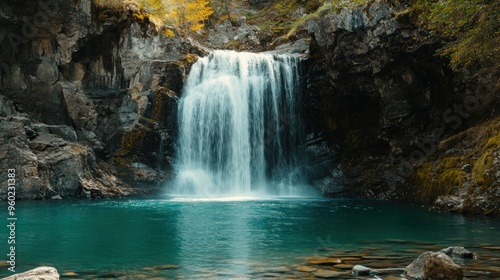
(441, 267)
(435, 266)
(39, 273)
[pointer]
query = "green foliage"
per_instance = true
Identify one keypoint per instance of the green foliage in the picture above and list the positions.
(470, 27)
(284, 7)
(477, 147)
(323, 7)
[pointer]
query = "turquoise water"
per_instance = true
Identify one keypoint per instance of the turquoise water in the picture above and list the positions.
(225, 237)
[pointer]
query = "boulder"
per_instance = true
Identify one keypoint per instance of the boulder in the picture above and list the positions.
(433, 266)
(360, 270)
(441, 267)
(416, 269)
(39, 273)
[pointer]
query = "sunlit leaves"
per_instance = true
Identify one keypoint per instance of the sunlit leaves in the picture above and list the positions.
(183, 15)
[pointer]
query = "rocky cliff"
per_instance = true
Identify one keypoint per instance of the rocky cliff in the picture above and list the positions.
(384, 105)
(88, 98)
(88, 103)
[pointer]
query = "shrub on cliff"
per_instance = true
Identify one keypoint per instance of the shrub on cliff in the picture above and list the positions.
(470, 28)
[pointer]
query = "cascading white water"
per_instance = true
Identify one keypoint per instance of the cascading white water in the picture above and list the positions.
(238, 126)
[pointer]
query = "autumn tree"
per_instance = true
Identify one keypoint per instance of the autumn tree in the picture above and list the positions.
(190, 14)
(183, 15)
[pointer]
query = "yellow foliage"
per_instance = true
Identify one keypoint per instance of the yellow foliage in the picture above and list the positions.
(190, 14)
(184, 15)
(168, 33)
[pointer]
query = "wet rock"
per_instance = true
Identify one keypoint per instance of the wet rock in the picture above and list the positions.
(344, 266)
(360, 270)
(441, 267)
(325, 261)
(39, 273)
(69, 274)
(327, 274)
(415, 270)
(430, 265)
(166, 267)
(350, 259)
(297, 47)
(281, 269)
(457, 251)
(492, 247)
(304, 268)
(449, 203)
(112, 274)
(144, 173)
(374, 257)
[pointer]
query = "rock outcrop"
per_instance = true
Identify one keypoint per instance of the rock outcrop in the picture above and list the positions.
(49, 162)
(384, 102)
(91, 96)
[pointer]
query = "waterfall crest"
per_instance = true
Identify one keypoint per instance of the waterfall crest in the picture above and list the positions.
(239, 126)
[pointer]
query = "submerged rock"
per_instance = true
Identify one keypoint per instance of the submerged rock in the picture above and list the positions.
(323, 273)
(325, 261)
(304, 268)
(39, 273)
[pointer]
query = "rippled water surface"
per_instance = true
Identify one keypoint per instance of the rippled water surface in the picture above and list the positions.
(228, 237)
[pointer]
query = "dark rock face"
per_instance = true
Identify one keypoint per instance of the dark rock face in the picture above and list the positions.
(382, 101)
(369, 93)
(82, 91)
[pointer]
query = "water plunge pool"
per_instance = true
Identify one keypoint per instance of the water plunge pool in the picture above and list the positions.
(228, 238)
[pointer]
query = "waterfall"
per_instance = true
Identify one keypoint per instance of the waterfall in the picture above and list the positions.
(239, 127)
